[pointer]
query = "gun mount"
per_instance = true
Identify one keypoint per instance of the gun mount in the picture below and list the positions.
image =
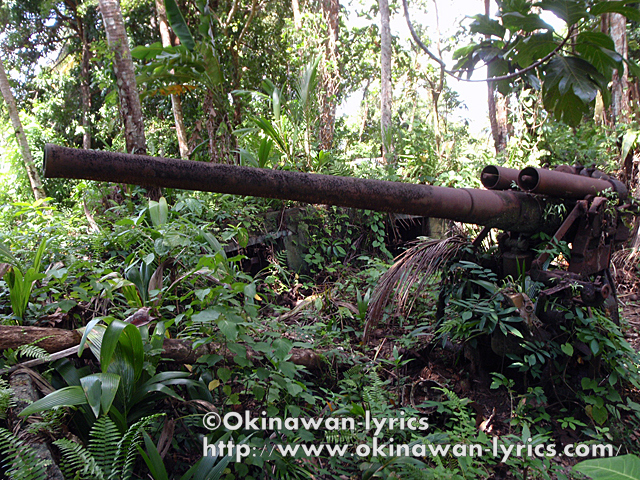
(569, 202)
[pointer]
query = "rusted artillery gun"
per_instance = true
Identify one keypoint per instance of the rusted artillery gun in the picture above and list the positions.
(570, 203)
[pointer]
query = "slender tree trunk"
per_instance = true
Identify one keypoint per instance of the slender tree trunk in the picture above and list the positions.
(32, 171)
(386, 92)
(498, 107)
(297, 18)
(330, 77)
(212, 126)
(498, 118)
(85, 87)
(620, 83)
(176, 102)
(365, 109)
(130, 107)
(436, 90)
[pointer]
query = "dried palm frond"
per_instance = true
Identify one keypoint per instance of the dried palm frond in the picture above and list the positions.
(415, 267)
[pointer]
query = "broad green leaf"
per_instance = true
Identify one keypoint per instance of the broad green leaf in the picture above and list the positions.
(228, 328)
(570, 85)
(288, 369)
(153, 460)
(5, 253)
(598, 49)
(92, 387)
(567, 349)
(621, 7)
(624, 467)
(516, 21)
(567, 107)
(206, 316)
(129, 337)
(214, 243)
(282, 348)
(110, 384)
(629, 139)
(211, 64)
(86, 330)
(571, 11)
(634, 68)
(158, 211)
(156, 387)
(275, 99)
(534, 48)
(267, 127)
(39, 253)
(65, 397)
(484, 25)
(489, 286)
(266, 145)
(179, 25)
(147, 52)
(164, 377)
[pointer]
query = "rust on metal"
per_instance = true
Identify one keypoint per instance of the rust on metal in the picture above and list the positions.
(577, 212)
(498, 178)
(560, 184)
(505, 210)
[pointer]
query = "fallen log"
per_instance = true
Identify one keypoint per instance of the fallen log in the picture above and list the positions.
(178, 350)
(51, 339)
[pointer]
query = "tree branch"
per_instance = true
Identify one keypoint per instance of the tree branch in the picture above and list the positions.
(452, 73)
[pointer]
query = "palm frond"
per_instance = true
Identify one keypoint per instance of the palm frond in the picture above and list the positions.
(413, 268)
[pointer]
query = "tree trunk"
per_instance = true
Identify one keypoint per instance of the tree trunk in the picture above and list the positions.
(212, 126)
(57, 339)
(386, 91)
(29, 164)
(297, 18)
(330, 77)
(498, 118)
(130, 107)
(620, 83)
(365, 109)
(176, 102)
(498, 107)
(85, 87)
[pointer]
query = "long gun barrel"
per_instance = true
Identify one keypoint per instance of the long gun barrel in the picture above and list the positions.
(505, 210)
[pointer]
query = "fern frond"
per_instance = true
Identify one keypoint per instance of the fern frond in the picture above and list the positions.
(6, 398)
(33, 352)
(374, 392)
(19, 460)
(128, 448)
(77, 462)
(103, 443)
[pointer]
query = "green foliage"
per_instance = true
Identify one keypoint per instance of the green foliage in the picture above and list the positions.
(123, 380)
(21, 279)
(6, 398)
(19, 461)
(110, 455)
(32, 351)
(291, 126)
(570, 79)
(624, 467)
(209, 467)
